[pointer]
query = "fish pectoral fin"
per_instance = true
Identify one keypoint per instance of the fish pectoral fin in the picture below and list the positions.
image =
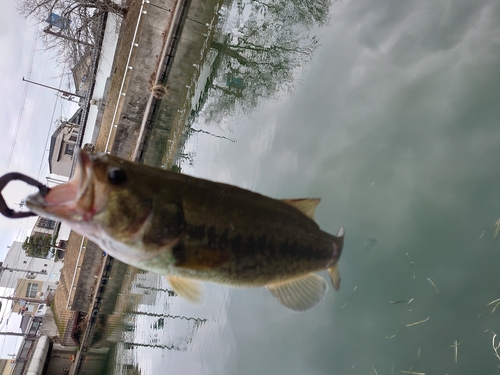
(187, 288)
(334, 276)
(305, 205)
(299, 294)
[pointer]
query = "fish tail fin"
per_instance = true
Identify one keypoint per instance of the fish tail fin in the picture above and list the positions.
(334, 276)
(338, 242)
(333, 271)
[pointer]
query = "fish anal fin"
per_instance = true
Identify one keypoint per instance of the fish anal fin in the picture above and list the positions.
(200, 258)
(299, 294)
(333, 271)
(305, 205)
(187, 288)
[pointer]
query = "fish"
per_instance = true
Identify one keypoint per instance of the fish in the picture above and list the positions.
(193, 230)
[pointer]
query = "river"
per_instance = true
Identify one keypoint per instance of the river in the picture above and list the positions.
(389, 112)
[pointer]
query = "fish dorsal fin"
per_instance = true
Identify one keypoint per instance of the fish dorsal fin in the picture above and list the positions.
(299, 294)
(305, 205)
(187, 288)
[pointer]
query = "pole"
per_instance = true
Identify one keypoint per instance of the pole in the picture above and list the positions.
(67, 93)
(27, 299)
(21, 270)
(12, 334)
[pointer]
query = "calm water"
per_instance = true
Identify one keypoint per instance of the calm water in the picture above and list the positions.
(393, 121)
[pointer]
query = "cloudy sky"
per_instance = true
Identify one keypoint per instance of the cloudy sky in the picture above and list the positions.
(28, 112)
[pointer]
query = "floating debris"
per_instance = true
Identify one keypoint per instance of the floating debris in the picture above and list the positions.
(497, 301)
(412, 372)
(495, 347)
(412, 264)
(374, 369)
(497, 228)
(482, 234)
(455, 345)
(419, 322)
(356, 287)
(390, 337)
(434, 285)
(410, 301)
(399, 301)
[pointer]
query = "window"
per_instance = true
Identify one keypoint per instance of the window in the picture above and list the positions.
(45, 265)
(70, 148)
(73, 138)
(46, 223)
(24, 261)
(31, 290)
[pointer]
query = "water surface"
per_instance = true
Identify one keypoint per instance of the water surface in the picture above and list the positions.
(393, 120)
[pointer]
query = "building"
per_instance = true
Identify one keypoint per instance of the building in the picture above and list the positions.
(63, 144)
(45, 227)
(31, 278)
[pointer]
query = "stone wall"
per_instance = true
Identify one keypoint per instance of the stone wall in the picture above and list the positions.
(87, 281)
(181, 75)
(146, 55)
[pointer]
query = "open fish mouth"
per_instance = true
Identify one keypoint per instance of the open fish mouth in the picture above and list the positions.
(73, 197)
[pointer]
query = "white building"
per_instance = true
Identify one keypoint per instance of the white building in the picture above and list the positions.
(63, 145)
(36, 276)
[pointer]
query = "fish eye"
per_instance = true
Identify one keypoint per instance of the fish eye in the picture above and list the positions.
(117, 176)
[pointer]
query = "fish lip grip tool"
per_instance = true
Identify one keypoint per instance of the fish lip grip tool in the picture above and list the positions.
(16, 176)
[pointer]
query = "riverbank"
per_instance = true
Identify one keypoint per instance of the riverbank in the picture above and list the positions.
(160, 45)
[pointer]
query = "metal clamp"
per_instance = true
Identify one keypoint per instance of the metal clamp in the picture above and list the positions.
(13, 176)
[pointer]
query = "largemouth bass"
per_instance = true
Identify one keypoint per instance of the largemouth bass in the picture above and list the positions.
(190, 229)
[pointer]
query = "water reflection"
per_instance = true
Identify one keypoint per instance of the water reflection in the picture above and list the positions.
(257, 52)
(397, 132)
(151, 325)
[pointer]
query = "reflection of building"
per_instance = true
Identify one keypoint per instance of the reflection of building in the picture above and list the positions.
(146, 286)
(63, 145)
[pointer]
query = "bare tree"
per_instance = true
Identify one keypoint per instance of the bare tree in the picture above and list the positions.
(72, 25)
(307, 13)
(256, 64)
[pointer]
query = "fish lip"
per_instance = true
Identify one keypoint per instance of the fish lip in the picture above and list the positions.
(84, 173)
(76, 187)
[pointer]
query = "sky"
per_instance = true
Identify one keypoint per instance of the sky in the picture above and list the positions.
(28, 112)
(9, 322)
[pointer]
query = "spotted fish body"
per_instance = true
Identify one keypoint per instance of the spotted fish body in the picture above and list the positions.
(192, 229)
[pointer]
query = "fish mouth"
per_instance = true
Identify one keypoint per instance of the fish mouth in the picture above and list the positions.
(71, 200)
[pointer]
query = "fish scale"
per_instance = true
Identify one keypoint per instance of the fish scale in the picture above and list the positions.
(191, 229)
